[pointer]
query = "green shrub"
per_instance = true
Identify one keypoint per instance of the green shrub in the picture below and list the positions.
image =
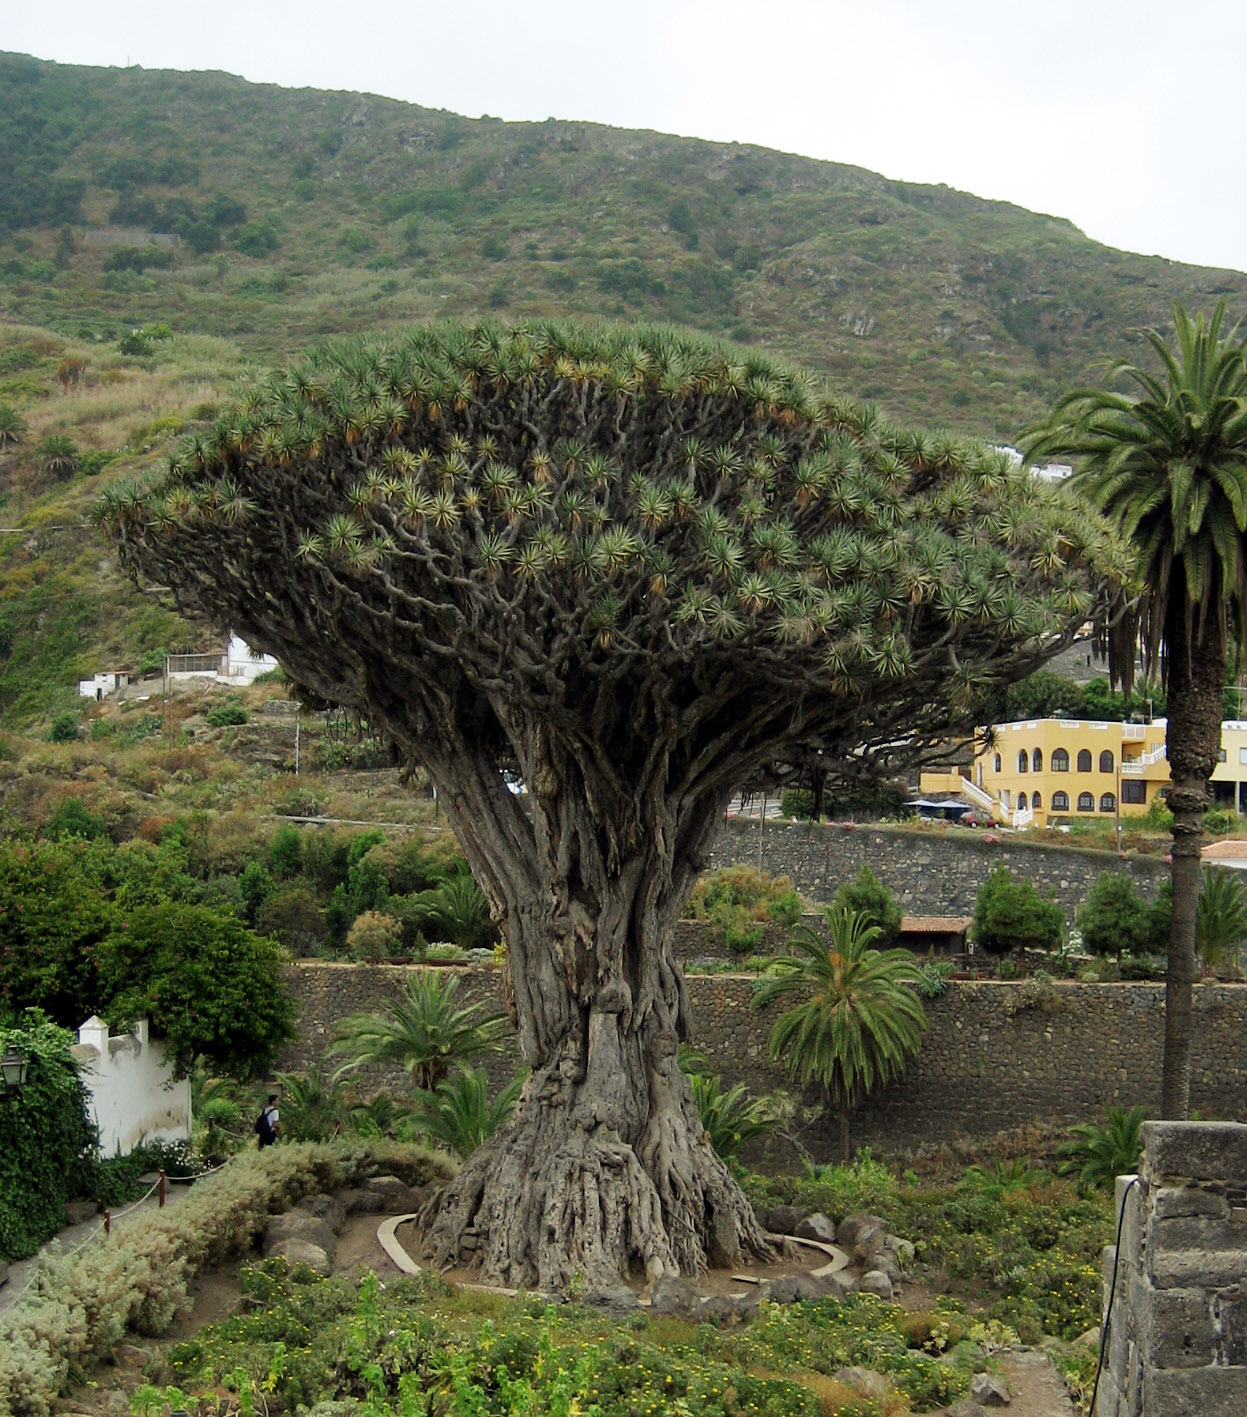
(798, 803)
(739, 900)
(47, 1143)
(226, 715)
(867, 896)
(1010, 914)
(65, 727)
(1114, 919)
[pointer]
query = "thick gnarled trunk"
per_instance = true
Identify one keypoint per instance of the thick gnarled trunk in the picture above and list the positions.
(604, 1169)
(1196, 673)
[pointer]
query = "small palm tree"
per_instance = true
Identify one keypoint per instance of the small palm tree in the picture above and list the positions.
(454, 910)
(314, 1108)
(1220, 916)
(217, 1116)
(425, 1032)
(863, 1018)
(1098, 1152)
(730, 1118)
(458, 1111)
(58, 455)
(380, 1116)
(12, 425)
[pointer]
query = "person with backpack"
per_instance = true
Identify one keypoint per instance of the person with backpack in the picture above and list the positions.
(267, 1123)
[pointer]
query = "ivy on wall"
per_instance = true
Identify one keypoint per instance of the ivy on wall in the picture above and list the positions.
(47, 1142)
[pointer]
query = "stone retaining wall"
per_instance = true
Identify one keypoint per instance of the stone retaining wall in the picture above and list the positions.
(1178, 1280)
(929, 872)
(997, 1055)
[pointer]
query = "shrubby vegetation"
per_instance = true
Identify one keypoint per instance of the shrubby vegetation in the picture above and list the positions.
(738, 901)
(1010, 914)
(47, 1142)
(82, 1304)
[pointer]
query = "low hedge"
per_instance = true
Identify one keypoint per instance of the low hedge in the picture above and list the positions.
(82, 1304)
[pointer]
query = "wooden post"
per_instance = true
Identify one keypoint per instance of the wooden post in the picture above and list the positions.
(162, 1188)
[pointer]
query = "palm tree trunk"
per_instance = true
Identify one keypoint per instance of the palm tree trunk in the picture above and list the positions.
(844, 1136)
(1196, 673)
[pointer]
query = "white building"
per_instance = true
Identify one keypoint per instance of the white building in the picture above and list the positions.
(133, 1095)
(242, 664)
(99, 686)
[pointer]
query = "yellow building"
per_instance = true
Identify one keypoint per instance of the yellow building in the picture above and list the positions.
(1062, 769)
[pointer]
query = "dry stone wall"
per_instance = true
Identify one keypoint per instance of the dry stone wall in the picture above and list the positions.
(1177, 1282)
(929, 873)
(997, 1056)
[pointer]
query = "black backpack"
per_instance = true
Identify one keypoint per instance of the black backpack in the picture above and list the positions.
(263, 1127)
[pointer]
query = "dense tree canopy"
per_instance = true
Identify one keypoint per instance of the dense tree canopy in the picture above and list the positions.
(635, 568)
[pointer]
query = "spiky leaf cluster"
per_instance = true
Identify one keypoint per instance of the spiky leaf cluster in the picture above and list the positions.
(544, 520)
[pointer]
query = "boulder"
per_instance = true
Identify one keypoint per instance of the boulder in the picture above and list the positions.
(783, 1219)
(817, 1227)
(784, 1290)
(729, 1308)
(865, 1381)
(902, 1249)
(327, 1208)
(393, 1197)
(359, 1202)
(616, 1302)
(298, 1225)
(849, 1231)
(296, 1252)
(874, 1281)
(988, 1391)
(883, 1260)
(832, 1286)
(674, 1295)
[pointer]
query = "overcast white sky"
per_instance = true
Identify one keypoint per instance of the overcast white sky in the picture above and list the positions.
(1126, 118)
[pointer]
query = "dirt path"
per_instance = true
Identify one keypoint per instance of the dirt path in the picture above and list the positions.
(1034, 1383)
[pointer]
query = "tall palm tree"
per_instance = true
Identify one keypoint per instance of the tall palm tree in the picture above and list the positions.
(863, 1018)
(1167, 461)
(426, 1032)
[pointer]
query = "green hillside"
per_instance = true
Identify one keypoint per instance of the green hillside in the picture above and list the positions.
(293, 215)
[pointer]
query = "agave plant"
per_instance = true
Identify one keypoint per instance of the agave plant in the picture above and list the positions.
(459, 1113)
(1098, 1152)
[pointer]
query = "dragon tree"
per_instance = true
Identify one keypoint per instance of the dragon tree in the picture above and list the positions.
(636, 569)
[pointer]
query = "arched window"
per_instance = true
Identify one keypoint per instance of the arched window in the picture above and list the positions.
(997, 762)
(1060, 760)
(1086, 803)
(1036, 801)
(1022, 803)
(1037, 761)
(1108, 803)
(1060, 801)
(1084, 760)
(1106, 761)
(1023, 760)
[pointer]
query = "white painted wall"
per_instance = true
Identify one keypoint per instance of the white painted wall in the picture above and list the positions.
(240, 666)
(101, 685)
(132, 1095)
